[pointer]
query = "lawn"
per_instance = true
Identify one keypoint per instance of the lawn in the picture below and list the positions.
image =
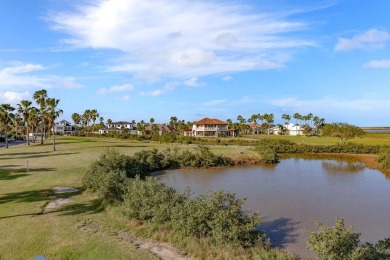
(81, 229)
(369, 139)
(77, 231)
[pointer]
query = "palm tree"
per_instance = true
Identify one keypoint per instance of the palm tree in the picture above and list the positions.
(151, 120)
(287, 118)
(40, 97)
(33, 121)
(94, 115)
(297, 117)
(269, 118)
(6, 117)
(52, 113)
(309, 117)
(86, 117)
(101, 120)
(24, 108)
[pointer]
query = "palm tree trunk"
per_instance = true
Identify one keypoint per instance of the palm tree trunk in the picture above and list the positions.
(28, 139)
(54, 141)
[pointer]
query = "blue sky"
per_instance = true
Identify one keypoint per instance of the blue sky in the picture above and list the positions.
(134, 59)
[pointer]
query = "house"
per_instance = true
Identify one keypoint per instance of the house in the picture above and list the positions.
(161, 129)
(117, 127)
(294, 129)
(64, 127)
(210, 127)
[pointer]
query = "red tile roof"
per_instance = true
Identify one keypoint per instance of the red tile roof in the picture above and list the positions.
(210, 121)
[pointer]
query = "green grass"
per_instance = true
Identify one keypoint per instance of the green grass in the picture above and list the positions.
(81, 229)
(369, 139)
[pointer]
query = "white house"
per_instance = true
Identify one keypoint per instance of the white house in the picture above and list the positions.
(64, 127)
(293, 129)
(209, 127)
(116, 127)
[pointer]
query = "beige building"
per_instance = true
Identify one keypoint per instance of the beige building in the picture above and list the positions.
(209, 127)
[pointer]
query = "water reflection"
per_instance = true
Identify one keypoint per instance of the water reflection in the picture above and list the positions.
(342, 167)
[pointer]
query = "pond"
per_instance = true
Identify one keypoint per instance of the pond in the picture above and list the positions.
(295, 193)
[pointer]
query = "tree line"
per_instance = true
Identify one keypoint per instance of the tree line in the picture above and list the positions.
(31, 119)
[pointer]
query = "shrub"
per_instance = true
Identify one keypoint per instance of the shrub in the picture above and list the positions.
(267, 154)
(338, 243)
(219, 217)
(384, 157)
(150, 200)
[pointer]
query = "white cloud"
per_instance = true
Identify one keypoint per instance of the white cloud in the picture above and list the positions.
(126, 98)
(13, 98)
(227, 78)
(371, 39)
(23, 75)
(378, 64)
(116, 89)
(192, 82)
(174, 38)
(168, 87)
(212, 103)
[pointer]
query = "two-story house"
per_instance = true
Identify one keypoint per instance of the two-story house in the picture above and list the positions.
(118, 127)
(64, 127)
(210, 127)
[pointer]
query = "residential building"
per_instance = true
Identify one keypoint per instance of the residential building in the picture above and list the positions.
(161, 129)
(117, 127)
(64, 127)
(209, 127)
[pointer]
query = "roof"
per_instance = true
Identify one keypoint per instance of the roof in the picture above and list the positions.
(120, 122)
(163, 128)
(210, 121)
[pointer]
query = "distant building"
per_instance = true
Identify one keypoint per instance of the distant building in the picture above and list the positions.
(64, 127)
(209, 127)
(161, 129)
(117, 127)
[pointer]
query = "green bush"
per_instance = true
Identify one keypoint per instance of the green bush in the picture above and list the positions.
(267, 154)
(339, 243)
(150, 200)
(219, 217)
(384, 157)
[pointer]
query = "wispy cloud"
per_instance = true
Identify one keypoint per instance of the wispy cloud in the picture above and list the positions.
(369, 40)
(13, 98)
(116, 89)
(227, 78)
(378, 64)
(163, 40)
(25, 75)
(215, 102)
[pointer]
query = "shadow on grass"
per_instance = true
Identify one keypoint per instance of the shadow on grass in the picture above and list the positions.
(7, 176)
(92, 207)
(281, 231)
(33, 156)
(26, 153)
(20, 171)
(35, 195)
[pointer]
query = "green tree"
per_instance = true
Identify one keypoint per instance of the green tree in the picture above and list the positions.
(342, 131)
(53, 113)
(34, 121)
(40, 97)
(297, 117)
(94, 115)
(287, 118)
(24, 108)
(6, 118)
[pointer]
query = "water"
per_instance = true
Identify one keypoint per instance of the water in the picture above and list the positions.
(295, 193)
(377, 130)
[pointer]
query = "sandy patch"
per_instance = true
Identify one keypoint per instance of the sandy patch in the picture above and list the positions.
(57, 203)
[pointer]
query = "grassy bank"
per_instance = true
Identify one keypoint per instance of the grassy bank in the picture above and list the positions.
(80, 229)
